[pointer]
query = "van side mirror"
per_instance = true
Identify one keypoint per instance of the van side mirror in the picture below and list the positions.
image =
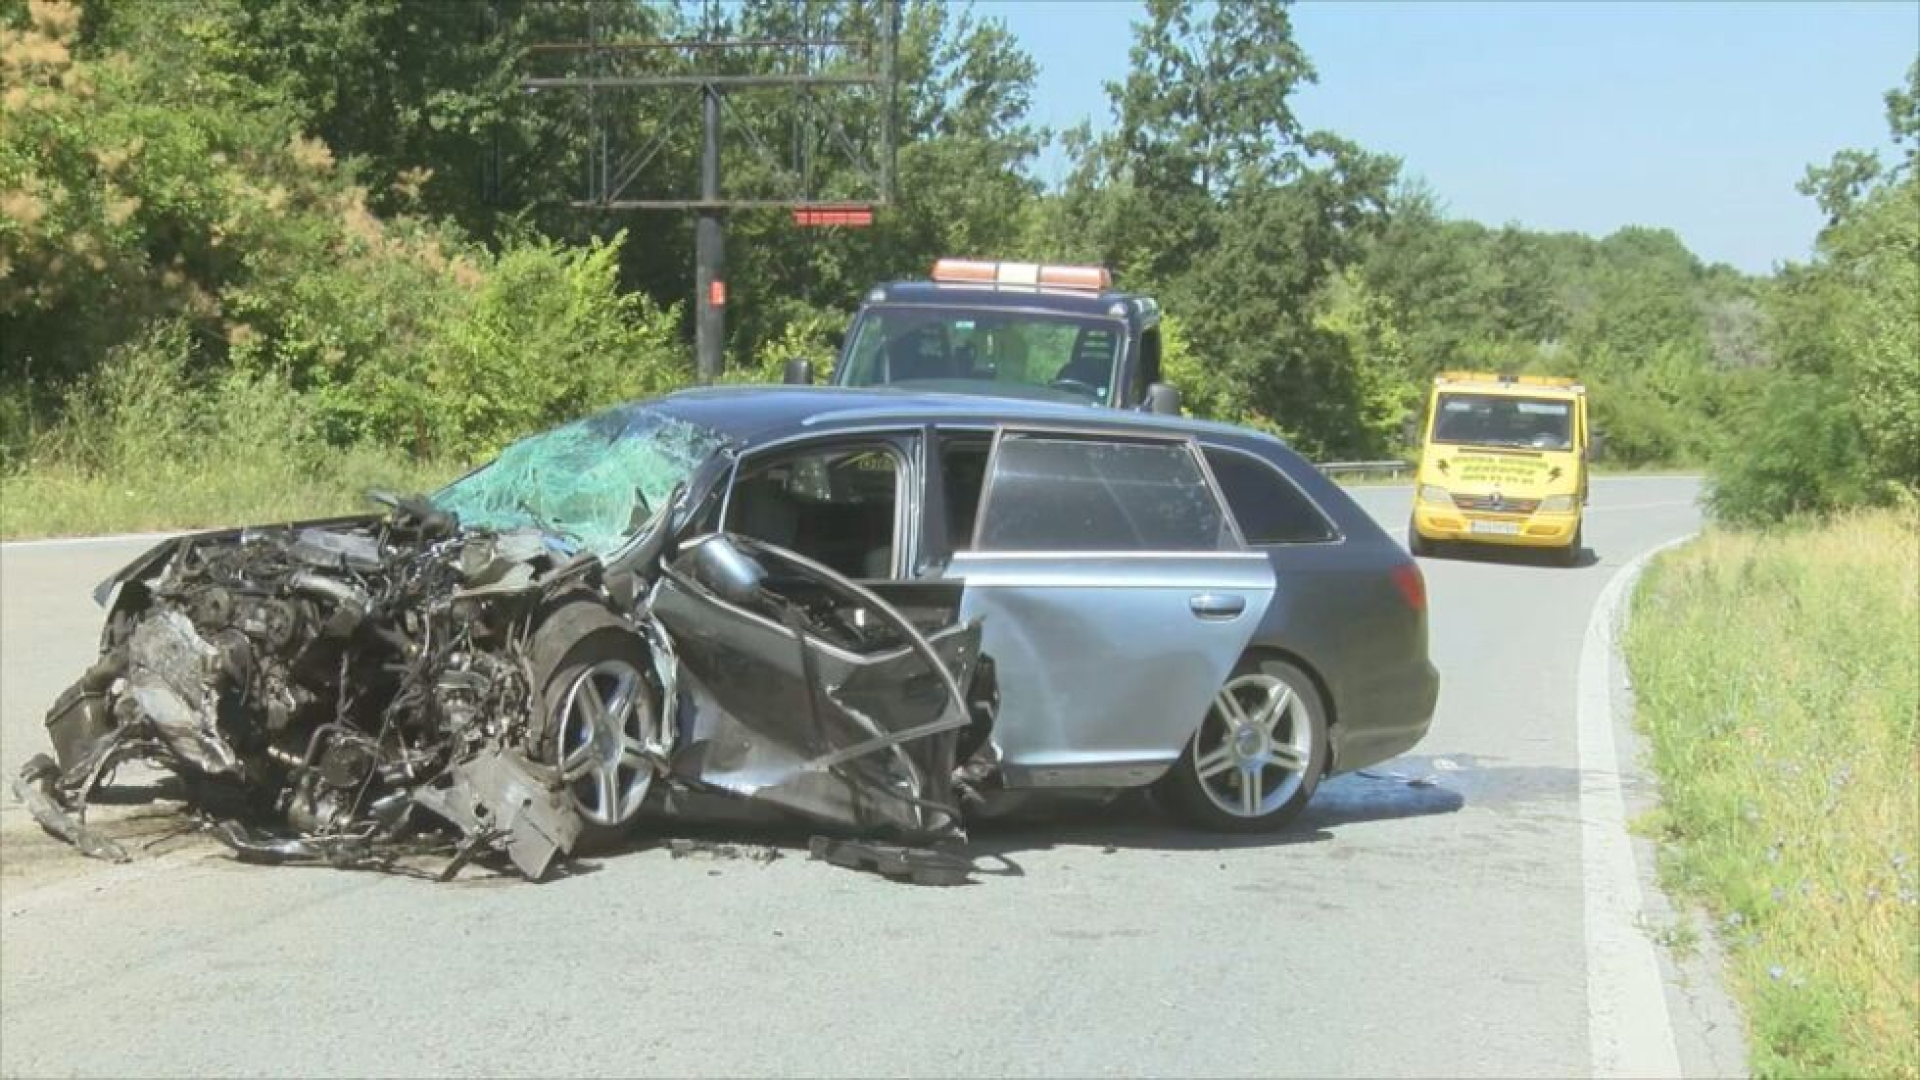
(798, 373)
(1162, 400)
(1410, 431)
(1596, 445)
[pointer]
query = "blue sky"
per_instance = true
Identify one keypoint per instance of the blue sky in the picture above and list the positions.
(1696, 117)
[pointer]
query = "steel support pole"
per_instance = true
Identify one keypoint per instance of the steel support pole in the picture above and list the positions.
(709, 241)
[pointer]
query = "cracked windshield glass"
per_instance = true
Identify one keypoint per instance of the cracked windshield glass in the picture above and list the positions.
(594, 482)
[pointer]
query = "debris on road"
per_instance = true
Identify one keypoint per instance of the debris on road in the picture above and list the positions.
(1423, 780)
(922, 866)
(712, 849)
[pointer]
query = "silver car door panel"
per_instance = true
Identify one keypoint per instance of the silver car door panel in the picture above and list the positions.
(1106, 663)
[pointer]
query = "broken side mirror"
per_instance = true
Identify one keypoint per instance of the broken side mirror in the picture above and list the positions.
(726, 571)
(1162, 400)
(798, 373)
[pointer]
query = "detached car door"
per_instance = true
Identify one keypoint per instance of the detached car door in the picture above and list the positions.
(1115, 592)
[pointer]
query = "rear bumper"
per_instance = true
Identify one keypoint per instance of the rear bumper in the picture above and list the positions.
(1528, 530)
(1388, 717)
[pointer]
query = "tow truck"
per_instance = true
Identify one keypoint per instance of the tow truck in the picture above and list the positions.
(1503, 460)
(1008, 329)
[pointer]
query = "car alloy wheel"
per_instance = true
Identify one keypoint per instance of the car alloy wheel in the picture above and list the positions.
(1258, 754)
(607, 730)
(1255, 746)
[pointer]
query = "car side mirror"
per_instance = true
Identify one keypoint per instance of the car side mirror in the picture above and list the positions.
(798, 373)
(1162, 400)
(726, 571)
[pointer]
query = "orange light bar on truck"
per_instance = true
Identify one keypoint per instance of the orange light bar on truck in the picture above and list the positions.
(1510, 380)
(981, 272)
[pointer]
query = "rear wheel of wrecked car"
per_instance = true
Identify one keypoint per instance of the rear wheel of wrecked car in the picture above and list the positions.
(1257, 757)
(600, 720)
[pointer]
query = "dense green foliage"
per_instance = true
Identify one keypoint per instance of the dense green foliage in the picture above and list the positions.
(357, 203)
(1837, 420)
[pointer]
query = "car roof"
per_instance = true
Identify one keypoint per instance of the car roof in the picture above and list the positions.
(1073, 301)
(754, 415)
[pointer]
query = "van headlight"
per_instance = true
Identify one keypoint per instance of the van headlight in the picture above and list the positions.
(1557, 504)
(1434, 495)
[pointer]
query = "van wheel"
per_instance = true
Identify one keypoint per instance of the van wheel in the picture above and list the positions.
(1417, 545)
(1569, 556)
(1257, 756)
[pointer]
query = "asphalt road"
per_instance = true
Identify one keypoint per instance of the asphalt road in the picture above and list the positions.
(1442, 929)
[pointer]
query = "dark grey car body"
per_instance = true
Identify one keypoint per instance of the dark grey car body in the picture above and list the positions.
(1107, 661)
(881, 610)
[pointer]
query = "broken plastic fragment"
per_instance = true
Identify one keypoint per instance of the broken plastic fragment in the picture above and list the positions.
(922, 866)
(35, 786)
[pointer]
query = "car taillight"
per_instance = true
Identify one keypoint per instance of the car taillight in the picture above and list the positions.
(1413, 587)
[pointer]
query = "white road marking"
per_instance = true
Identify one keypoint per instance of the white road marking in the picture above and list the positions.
(77, 541)
(1629, 1033)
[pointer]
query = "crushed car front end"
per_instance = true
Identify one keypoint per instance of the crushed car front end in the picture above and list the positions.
(515, 663)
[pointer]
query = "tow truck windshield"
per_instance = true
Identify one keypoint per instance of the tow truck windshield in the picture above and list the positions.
(1502, 420)
(1029, 354)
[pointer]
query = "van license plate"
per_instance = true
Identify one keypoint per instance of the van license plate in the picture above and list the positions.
(1495, 528)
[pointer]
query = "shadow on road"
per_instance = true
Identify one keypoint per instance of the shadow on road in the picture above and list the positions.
(1407, 787)
(1494, 554)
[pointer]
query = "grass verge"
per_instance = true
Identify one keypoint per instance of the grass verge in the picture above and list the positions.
(62, 499)
(1778, 686)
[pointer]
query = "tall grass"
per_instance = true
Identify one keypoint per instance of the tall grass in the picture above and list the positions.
(1778, 683)
(147, 444)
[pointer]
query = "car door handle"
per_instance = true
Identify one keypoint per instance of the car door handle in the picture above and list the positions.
(1217, 605)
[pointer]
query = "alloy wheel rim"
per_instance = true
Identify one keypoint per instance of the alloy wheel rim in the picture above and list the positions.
(1254, 746)
(608, 742)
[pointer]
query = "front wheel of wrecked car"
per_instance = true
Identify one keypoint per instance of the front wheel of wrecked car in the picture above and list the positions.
(1257, 756)
(600, 720)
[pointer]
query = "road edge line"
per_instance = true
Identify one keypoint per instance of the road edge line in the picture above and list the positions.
(1629, 1029)
(82, 541)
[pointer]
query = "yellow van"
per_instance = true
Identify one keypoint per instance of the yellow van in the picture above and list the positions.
(1503, 460)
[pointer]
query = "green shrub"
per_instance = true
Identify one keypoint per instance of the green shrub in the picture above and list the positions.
(1795, 449)
(146, 442)
(546, 337)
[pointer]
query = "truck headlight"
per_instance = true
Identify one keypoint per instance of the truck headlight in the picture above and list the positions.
(1434, 495)
(1557, 504)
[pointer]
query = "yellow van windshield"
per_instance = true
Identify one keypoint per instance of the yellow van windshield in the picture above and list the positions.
(1504, 420)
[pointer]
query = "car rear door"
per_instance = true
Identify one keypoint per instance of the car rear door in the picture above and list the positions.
(1116, 593)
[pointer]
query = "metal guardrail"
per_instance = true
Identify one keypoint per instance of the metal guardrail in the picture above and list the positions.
(1363, 468)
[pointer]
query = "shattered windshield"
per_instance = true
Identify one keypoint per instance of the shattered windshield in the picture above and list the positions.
(595, 481)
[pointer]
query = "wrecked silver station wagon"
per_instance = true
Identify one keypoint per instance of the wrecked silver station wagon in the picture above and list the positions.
(882, 612)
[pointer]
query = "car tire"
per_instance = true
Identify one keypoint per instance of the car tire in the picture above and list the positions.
(1285, 753)
(598, 715)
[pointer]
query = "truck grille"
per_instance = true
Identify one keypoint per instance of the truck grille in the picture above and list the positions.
(1496, 504)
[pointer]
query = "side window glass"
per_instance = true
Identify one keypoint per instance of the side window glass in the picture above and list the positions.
(835, 505)
(1266, 505)
(963, 465)
(1053, 493)
(1147, 371)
